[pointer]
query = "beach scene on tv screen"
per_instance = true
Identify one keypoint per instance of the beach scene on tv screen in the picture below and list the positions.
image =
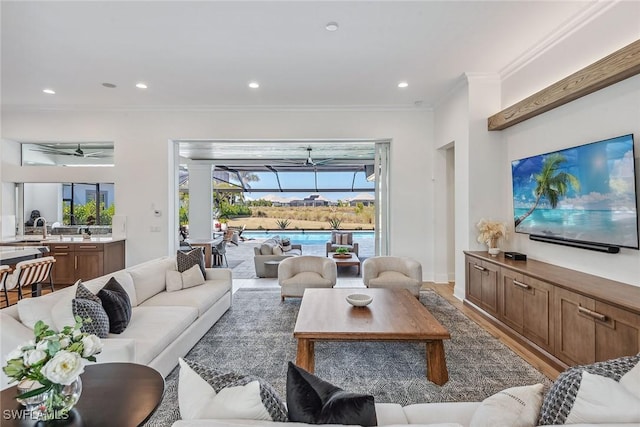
(585, 193)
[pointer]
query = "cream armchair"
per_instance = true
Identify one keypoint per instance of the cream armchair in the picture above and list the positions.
(393, 272)
(299, 273)
(341, 239)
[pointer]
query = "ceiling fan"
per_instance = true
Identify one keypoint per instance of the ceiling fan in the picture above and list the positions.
(78, 152)
(309, 162)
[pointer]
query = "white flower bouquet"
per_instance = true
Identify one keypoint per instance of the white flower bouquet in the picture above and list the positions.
(52, 362)
(491, 232)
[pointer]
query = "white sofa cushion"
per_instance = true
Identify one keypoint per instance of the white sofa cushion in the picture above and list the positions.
(392, 277)
(154, 328)
(513, 407)
(13, 335)
(434, 413)
(149, 278)
(31, 310)
(201, 297)
(124, 279)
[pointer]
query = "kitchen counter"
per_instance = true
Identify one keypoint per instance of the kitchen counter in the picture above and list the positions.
(15, 254)
(30, 239)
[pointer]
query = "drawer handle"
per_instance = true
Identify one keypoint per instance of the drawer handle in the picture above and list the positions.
(60, 254)
(521, 285)
(88, 247)
(75, 262)
(592, 313)
(478, 267)
(61, 247)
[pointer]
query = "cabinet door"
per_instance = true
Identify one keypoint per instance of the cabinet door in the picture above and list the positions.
(617, 332)
(63, 272)
(512, 299)
(490, 277)
(88, 264)
(575, 329)
(537, 312)
(474, 271)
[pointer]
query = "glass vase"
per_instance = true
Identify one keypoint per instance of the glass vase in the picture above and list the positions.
(56, 402)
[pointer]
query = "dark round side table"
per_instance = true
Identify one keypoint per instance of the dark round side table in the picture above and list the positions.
(113, 394)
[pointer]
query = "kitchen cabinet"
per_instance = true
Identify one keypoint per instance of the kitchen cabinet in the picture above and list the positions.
(85, 260)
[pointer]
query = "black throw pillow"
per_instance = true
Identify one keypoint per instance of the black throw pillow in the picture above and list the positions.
(314, 401)
(117, 305)
(186, 260)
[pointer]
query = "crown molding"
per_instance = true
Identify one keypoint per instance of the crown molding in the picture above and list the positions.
(21, 108)
(570, 26)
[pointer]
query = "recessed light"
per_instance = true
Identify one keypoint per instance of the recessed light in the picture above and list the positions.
(49, 91)
(254, 85)
(141, 85)
(331, 26)
(109, 85)
(403, 84)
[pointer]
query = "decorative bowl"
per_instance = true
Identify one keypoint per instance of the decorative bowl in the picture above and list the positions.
(347, 255)
(359, 300)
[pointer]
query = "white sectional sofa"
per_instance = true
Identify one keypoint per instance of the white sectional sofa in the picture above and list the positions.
(448, 414)
(164, 325)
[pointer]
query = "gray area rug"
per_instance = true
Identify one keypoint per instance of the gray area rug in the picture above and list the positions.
(256, 337)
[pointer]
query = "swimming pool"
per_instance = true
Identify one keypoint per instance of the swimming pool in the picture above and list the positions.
(304, 237)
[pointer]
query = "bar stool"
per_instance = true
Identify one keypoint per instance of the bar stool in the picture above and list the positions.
(30, 273)
(5, 270)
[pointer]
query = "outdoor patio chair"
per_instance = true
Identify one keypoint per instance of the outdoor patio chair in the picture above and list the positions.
(30, 273)
(341, 239)
(296, 274)
(393, 273)
(219, 253)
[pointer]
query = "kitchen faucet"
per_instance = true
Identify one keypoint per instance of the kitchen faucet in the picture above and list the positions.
(44, 226)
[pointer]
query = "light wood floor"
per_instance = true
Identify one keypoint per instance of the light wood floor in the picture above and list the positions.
(446, 291)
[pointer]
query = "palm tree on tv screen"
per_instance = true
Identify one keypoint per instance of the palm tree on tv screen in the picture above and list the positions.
(551, 183)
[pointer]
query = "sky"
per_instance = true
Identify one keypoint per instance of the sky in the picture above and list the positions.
(306, 181)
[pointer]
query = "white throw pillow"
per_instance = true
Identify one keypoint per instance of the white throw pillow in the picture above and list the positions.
(602, 400)
(187, 279)
(602, 392)
(174, 280)
(513, 407)
(192, 277)
(198, 399)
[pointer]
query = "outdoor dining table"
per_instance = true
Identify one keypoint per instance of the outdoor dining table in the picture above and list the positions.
(208, 245)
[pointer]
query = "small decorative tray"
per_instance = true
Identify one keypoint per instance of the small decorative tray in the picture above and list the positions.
(342, 255)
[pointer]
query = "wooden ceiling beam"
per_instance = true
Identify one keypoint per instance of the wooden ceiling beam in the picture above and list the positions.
(616, 67)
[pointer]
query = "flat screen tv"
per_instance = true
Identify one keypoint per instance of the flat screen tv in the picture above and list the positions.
(580, 194)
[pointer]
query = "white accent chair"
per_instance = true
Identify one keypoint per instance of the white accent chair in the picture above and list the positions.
(296, 274)
(393, 273)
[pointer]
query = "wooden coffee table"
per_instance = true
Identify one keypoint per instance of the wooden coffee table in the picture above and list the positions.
(394, 315)
(113, 394)
(346, 262)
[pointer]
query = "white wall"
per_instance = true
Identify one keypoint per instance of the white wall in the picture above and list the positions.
(610, 112)
(46, 198)
(141, 170)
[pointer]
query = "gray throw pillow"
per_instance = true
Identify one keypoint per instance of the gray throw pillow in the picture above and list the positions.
(89, 308)
(187, 259)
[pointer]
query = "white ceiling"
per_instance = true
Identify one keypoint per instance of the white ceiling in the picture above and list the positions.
(203, 54)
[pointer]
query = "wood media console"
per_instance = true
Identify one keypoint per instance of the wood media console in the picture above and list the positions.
(567, 317)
